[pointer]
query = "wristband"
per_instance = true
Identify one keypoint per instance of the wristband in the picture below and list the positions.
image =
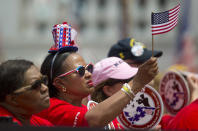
(127, 89)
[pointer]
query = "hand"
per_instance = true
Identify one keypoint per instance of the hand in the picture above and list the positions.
(193, 86)
(192, 81)
(146, 72)
(157, 128)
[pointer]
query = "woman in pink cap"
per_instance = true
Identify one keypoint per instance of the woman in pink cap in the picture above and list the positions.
(108, 77)
(71, 81)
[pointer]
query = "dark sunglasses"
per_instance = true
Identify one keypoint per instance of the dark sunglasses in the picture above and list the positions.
(112, 82)
(36, 85)
(80, 70)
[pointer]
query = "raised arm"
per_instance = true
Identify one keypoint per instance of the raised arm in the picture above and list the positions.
(107, 110)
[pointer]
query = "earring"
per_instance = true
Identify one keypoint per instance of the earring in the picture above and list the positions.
(64, 89)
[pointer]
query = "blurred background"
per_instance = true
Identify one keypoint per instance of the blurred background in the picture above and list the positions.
(25, 28)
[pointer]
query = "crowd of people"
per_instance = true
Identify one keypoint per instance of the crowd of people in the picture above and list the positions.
(57, 94)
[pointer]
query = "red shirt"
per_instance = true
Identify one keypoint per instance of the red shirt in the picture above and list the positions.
(62, 113)
(186, 119)
(114, 125)
(165, 121)
(34, 120)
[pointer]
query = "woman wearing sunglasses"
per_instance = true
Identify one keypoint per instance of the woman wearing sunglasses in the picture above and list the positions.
(108, 77)
(23, 92)
(70, 81)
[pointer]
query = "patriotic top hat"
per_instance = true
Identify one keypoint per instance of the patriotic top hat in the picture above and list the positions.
(64, 38)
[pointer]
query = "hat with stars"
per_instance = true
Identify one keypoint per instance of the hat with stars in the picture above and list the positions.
(64, 38)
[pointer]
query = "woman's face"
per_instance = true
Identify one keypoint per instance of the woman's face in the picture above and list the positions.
(74, 83)
(33, 100)
(113, 89)
(132, 63)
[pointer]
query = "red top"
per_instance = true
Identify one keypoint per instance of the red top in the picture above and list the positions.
(114, 125)
(34, 121)
(165, 121)
(186, 119)
(64, 114)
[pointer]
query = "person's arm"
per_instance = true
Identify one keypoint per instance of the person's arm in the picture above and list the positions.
(107, 110)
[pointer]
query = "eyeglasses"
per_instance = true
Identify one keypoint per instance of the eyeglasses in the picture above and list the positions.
(112, 82)
(80, 70)
(36, 85)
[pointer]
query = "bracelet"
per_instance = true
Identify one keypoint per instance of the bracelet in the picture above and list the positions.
(127, 89)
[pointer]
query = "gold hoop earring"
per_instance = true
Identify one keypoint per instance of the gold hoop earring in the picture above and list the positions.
(64, 89)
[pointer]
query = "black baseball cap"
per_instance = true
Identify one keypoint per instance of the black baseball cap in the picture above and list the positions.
(129, 48)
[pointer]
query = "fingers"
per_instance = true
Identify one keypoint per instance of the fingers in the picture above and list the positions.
(151, 65)
(151, 61)
(192, 81)
(157, 128)
(146, 72)
(189, 78)
(154, 71)
(155, 64)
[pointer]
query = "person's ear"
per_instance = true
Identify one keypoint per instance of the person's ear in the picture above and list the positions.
(108, 90)
(11, 99)
(58, 83)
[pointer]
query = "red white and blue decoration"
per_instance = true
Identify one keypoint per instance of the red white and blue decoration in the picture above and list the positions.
(163, 22)
(64, 38)
(174, 91)
(144, 111)
(91, 104)
(113, 125)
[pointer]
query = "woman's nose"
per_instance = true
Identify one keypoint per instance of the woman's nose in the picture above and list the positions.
(44, 88)
(87, 74)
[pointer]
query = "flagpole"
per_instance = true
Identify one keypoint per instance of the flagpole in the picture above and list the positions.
(152, 39)
(152, 45)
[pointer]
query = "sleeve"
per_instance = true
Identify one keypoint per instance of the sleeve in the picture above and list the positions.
(68, 115)
(37, 121)
(165, 121)
(185, 120)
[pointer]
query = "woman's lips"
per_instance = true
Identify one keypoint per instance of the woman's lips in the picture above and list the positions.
(46, 98)
(90, 83)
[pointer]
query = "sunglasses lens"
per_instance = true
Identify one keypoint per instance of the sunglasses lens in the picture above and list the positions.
(81, 70)
(37, 84)
(90, 68)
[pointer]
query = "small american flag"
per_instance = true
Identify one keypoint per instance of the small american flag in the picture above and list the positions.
(164, 21)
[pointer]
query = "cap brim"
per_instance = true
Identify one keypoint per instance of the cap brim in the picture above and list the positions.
(147, 55)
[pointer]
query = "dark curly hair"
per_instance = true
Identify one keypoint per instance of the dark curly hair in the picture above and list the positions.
(98, 95)
(53, 68)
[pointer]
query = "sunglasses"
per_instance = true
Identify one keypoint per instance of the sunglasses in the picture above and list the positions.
(36, 85)
(112, 82)
(80, 70)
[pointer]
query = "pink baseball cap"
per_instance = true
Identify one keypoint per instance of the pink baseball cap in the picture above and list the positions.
(112, 67)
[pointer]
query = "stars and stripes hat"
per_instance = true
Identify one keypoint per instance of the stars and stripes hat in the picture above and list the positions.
(64, 38)
(129, 48)
(64, 41)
